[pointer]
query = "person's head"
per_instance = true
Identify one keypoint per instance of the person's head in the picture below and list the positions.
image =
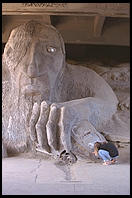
(34, 52)
(97, 145)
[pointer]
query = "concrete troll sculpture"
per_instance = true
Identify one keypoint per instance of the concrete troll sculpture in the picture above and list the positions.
(46, 101)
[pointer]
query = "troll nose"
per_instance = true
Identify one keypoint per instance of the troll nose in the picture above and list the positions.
(32, 70)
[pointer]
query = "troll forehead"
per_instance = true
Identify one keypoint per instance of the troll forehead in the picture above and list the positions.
(34, 29)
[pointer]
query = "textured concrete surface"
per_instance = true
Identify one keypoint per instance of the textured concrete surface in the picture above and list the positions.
(28, 176)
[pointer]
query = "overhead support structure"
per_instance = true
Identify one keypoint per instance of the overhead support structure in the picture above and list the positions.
(72, 9)
(98, 25)
(78, 23)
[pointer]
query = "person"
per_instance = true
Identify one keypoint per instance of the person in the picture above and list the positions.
(107, 151)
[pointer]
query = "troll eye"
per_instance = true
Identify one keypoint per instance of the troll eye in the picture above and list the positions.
(51, 49)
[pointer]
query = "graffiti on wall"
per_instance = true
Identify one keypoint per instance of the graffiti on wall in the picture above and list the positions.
(44, 4)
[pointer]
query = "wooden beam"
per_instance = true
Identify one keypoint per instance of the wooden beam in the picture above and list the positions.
(98, 25)
(69, 9)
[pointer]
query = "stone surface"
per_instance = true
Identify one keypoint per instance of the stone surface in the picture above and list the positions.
(118, 77)
(45, 99)
(24, 175)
